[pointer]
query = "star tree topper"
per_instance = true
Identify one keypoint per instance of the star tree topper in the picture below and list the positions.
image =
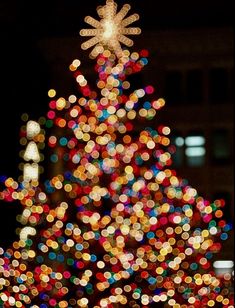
(111, 30)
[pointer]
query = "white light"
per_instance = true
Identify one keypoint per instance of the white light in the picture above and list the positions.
(179, 141)
(140, 93)
(194, 140)
(26, 231)
(31, 152)
(31, 172)
(195, 152)
(11, 301)
(223, 264)
(32, 129)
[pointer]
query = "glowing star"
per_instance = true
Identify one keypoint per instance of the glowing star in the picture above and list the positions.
(111, 30)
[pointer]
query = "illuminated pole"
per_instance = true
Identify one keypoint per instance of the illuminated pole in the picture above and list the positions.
(30, 171)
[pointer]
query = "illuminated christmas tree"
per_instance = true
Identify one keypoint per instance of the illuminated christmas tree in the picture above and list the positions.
(112, 225)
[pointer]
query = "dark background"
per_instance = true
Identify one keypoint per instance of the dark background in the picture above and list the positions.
(25, 75)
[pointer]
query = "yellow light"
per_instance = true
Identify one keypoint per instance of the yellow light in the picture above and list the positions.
(60, 103)
(51, 93)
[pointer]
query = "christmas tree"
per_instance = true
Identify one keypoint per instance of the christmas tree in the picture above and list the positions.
(111, 225)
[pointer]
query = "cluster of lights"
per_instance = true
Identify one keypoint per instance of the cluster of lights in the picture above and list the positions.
(113, 225)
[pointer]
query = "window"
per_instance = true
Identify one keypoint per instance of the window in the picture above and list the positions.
(195, 150)
(178, 156)
(190, 150)
(220, 146)
(173, 87)
(194, 86)
(218, 85)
